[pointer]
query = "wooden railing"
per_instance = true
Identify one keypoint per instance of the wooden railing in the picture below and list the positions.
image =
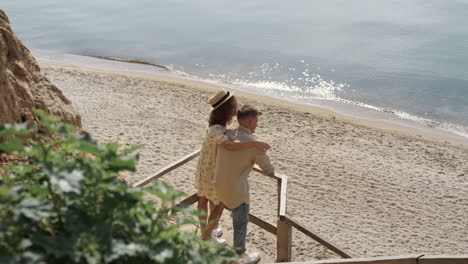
(284, 223)
(409, 259)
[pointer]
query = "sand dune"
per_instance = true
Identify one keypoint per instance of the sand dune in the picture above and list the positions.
(372, 191)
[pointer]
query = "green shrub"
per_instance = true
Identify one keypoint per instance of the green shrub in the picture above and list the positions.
(67, 205)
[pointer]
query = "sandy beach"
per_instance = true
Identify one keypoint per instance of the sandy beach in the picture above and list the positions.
(373, 189)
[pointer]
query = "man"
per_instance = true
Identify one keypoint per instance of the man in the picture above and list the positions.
(232, 171)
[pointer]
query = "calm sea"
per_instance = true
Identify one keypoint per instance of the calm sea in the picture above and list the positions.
(405, 59)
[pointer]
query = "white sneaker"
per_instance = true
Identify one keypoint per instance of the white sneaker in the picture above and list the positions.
(218, 241)
(217, 232)
(248, 258)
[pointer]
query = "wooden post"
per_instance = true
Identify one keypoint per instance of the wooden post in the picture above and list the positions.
(283, 196)
(278, 183)
(283, 229)
(283, 241)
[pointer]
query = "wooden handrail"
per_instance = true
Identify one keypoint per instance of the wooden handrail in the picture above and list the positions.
(314, 236)
(274, 177)
(285, 222)
(189, 200)
(167, 169)
(443, 259)
(181, 162)
(405, 259)
(263, 224)
(283, 218)
(252, 218)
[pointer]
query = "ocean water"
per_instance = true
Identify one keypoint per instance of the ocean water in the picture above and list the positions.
(407, 60)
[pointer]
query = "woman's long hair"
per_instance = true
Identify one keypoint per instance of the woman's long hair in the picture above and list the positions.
(223, 114)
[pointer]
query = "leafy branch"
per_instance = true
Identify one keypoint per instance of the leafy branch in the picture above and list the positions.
(66, 204)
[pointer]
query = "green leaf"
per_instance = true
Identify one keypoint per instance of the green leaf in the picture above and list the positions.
(162, 253)
(104, 233)
(25, 243)
(86, 137)
(31, 257)
(165, 193)
(7, 257)
(66, 131)
(92, 258)
(88, 148)
(131, 149)
(58, 246)
(14, 130)
(38, 191)
(46, 118)
(89, 213)
(121, 249)
(183, 220)
(34, 209)
(66, 181)
(122, 164)
(12, 144)
(196, 256)
(112, 147)
(4, 193)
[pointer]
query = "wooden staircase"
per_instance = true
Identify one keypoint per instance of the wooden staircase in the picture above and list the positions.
(285, 223)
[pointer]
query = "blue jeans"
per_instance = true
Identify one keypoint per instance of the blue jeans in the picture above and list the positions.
(240, 219)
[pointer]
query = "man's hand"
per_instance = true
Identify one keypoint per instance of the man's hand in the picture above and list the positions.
(262, 146)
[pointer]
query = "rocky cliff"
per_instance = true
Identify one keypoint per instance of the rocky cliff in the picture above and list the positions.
(22, 85)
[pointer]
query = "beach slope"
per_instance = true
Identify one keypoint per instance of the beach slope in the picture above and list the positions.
(372, 189)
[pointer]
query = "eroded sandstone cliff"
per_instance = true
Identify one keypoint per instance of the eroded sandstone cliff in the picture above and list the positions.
(22, 85)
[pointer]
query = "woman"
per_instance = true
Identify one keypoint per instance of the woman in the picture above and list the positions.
(224, 109)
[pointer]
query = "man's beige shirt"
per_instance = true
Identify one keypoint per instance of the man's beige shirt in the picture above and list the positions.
(233, 167)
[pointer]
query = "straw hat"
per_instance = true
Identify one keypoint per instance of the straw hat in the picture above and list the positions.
(220, 98)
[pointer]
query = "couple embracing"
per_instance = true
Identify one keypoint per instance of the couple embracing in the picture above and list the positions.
(226, 159)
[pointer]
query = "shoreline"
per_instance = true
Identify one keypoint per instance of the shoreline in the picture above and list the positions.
(162, 73)
(371, 191)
